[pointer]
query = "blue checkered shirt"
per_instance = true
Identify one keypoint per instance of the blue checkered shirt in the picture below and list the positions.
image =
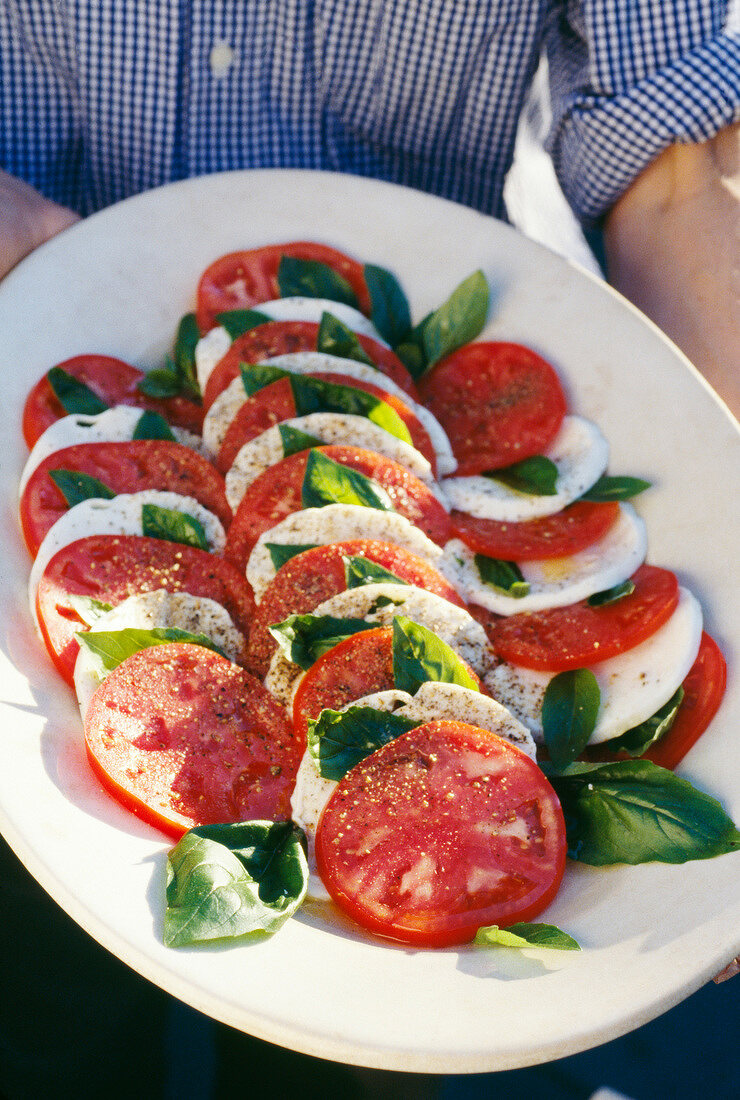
(103, 98)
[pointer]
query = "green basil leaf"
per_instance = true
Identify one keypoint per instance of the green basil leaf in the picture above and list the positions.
(328, 482)
(151, 425)
(281, 552)
(226, 881)
(76, 486)
(160, 383)
(411, 350)
(172, 526)
(536, 476)
(317, 395)
(74, 396)
(238, 321)
(337, 740)
(255, 376)
(419, 656)
(295, 440)
(88, 609)
(638, 740)
(458, 320)
(336, 338)
(186, 338)
(633, 811)
(304, 638)
(115, 646)
(504, 576)
(611, 595)
(389, 307)
(359, 571)
(615, 488)
(311, 279)
(569, 711)
(526, 935)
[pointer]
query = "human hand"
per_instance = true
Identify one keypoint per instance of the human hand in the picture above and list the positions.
(27, 219)
(673, 248)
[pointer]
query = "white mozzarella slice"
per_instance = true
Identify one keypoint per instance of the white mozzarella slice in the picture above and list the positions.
(196, 614)
(379, 604)
(227, 404)
(209, 351)
(633, 685)
(331, 428)
(116, 425)
(121, 515)
(313, 309)
(335, 523)
(434, 701)
(556, 582)
(581, 454)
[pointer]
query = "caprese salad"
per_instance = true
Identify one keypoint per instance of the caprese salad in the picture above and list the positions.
(353, 607)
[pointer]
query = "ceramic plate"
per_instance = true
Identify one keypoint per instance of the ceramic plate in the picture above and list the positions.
(117, 284)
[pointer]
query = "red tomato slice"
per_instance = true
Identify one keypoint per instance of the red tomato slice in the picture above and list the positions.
(110, 568)
(360, 665)
(115, 383)
(580, 635)
(240, 280)
(286, 337)
(308, 579)
(557, 536)
(124, 468)
(183, 737)
(498, 403)
(275, 403)
(444, 830)
(276, 494)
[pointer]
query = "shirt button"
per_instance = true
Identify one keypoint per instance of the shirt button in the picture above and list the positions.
(220, 59)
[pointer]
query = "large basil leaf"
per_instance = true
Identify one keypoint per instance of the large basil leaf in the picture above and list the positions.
(76, 486)
(238, 321)
(115, 646)
(337, 740)
(328, 482)
(311, 279)
(457, 321)
(504, 576)
(225, 881)
(537, 476)
(336, 338)
(526, 935)
(633, 811)
(151, 425)
(639, 739)
(359, 571)
(389, 307)
(256, 376)
(294, 440)
(74, 396)
(304, 638)
(282, 552)
(569, 711)
(172, 526)
(317, 395)
(419, 656)
(615, 488)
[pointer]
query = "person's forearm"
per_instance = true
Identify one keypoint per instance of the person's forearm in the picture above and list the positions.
(673, 247)
(27, 219)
